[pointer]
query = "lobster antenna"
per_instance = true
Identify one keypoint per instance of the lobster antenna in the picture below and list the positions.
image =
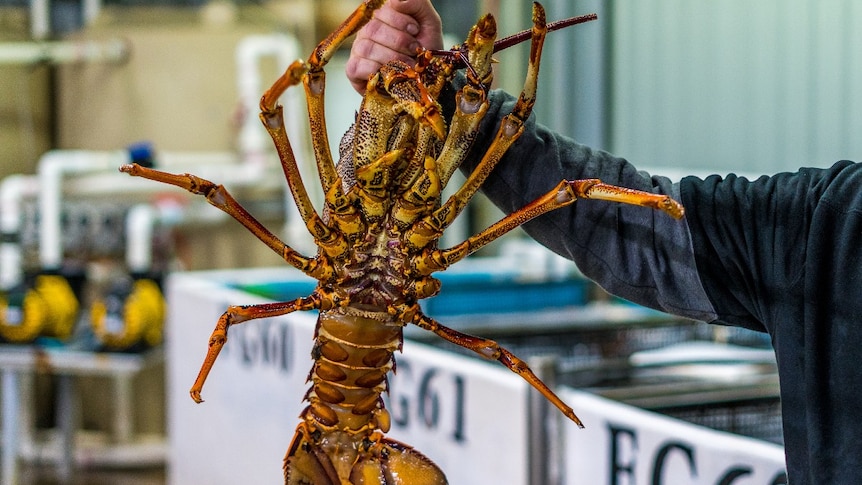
(523, 35)
(515, 39)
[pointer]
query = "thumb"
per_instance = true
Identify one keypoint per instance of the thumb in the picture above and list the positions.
(430, 34)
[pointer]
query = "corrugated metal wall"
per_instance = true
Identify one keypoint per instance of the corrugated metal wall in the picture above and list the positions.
(735, 85)
(576, 69)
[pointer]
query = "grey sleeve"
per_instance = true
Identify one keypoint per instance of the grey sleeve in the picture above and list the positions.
(636, 253)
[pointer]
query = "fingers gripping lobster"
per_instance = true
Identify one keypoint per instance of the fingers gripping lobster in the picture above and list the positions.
(377, 238)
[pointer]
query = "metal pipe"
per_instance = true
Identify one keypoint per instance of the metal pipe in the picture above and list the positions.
(11, 381)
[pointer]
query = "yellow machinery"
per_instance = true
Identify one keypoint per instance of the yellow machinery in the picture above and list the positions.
(48, 308)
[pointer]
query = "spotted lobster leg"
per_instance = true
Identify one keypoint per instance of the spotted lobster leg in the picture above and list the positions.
(377, 460)
(312, 75)
(235, 315)
(220, 198)
(488, 349)
(564, 194)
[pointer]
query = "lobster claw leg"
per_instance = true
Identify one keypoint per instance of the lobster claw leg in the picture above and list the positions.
(488, 349)
(565, 193)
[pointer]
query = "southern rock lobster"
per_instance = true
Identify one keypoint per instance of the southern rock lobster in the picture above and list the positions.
(377, 238)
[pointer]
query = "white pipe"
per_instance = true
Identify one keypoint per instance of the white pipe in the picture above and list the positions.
(59, 166)
(53, 167)
(139, 238)
(64, 52)
(13, 190)
(216, 166)
(40, 19)
(253, 142)
(40, 16)
(92, 9)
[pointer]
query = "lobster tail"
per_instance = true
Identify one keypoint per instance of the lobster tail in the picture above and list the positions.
(376, 460)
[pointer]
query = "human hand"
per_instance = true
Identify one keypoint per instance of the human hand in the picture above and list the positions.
(398, 28)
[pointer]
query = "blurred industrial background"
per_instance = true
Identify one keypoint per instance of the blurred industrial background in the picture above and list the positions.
(677, 87)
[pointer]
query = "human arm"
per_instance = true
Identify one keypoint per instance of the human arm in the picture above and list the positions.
(780, 243)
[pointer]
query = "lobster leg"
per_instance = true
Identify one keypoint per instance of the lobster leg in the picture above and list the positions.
(596, 190)
(565, 193)
(239, 314)
(312, 75)
(272, 116)
(471, 102)
(219, 197)
(486, 348)
(511, 128)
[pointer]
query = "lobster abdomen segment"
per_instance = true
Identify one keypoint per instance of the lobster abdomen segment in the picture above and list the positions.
(340, 439)
(353, 353)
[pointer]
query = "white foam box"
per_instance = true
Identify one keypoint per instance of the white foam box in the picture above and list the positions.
(622, 444)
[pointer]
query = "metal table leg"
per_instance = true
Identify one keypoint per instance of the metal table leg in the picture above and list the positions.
(10, 427)
(124, 410)
(67, 411)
